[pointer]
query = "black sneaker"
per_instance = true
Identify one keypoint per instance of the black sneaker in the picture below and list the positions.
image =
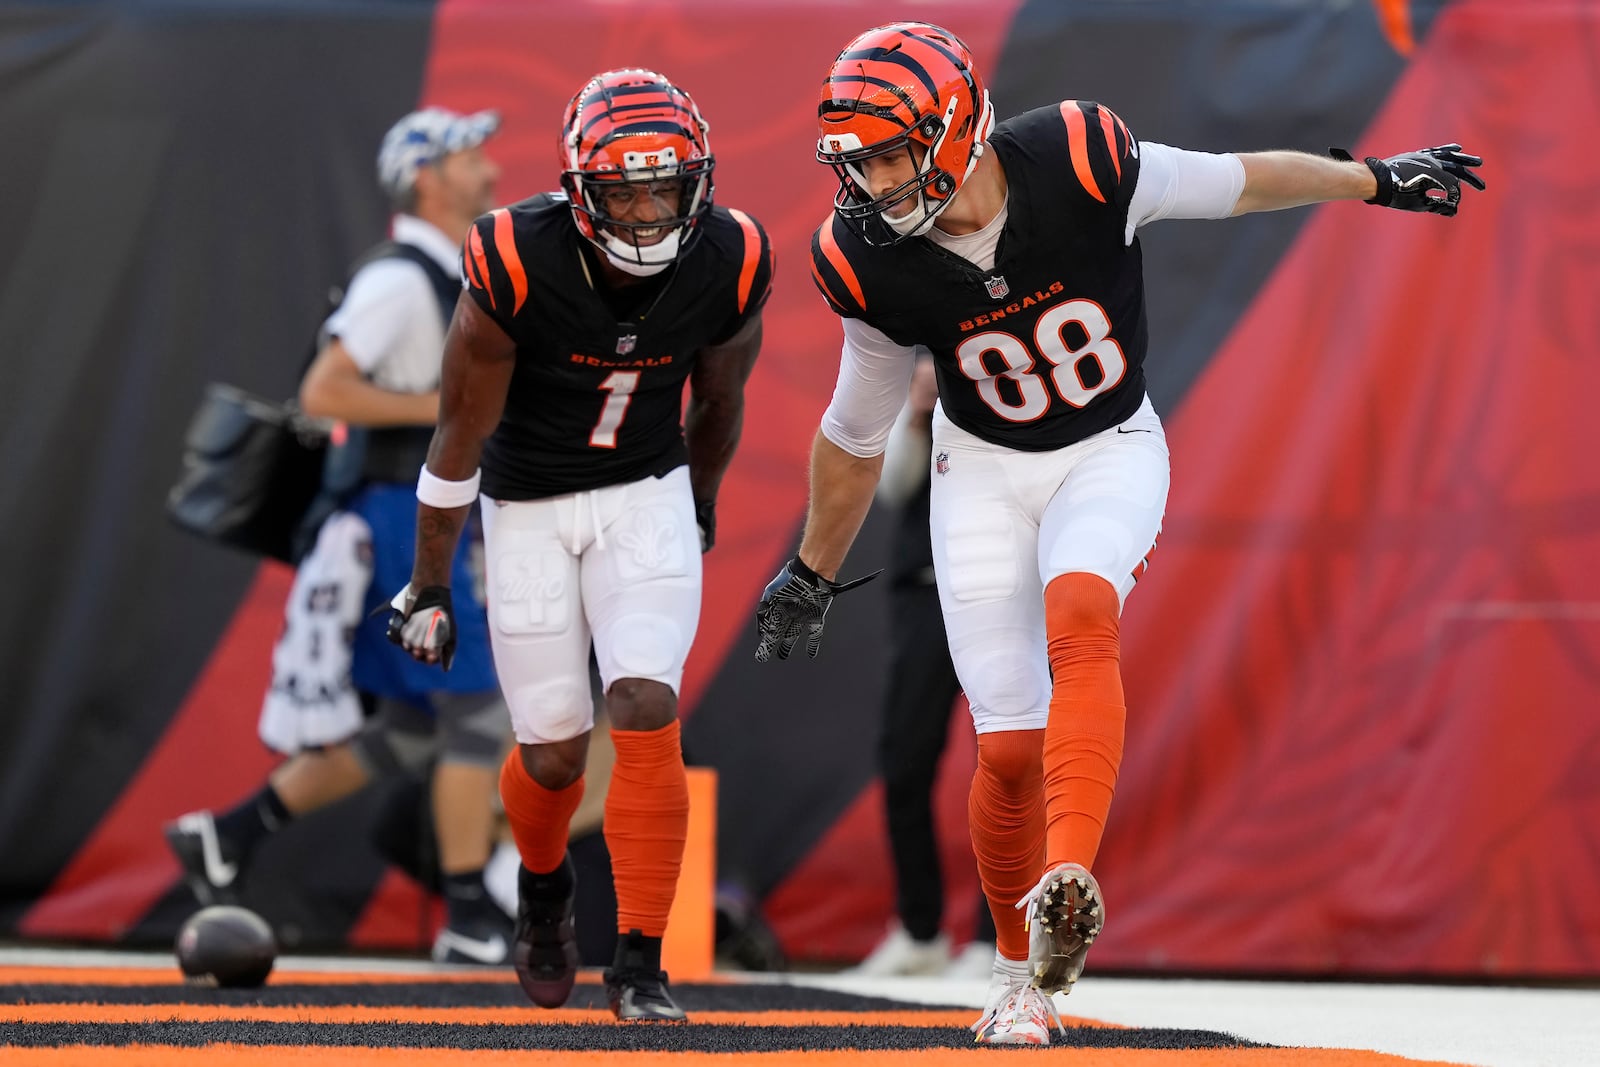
(211, 864)
(545, 947)
(636, 986)
(483, 939)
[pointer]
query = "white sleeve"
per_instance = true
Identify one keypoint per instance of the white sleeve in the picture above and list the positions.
(1175, 183)
(874, 380)
(379, 309)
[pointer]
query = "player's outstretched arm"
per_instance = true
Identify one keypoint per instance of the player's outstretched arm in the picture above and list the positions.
(795, 603)
(478, 360)
(846, 460)
(714, 419)
(1427, 180)
(842, 486)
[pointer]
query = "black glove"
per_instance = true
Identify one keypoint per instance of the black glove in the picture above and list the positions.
(795, 603)
(705, 516)
(1428, 179)
(424, 624)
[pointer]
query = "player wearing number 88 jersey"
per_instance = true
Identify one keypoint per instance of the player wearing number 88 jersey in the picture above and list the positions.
(1009, 252)
(586, 312)
(1036, 344)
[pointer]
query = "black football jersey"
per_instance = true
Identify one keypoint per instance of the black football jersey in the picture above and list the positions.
(1047, 348)
(596, 395)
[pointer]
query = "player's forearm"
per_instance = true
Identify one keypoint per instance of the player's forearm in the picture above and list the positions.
(1277, 180)
(453, 456)
(438, 530)
(711, 430)
(360, 403)
(841, 492)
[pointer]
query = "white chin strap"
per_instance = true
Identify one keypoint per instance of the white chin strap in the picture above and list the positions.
(641, 262)
(920, 219)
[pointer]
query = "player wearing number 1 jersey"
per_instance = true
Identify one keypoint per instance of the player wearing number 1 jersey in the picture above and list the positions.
(586, 312)
(1010, 252)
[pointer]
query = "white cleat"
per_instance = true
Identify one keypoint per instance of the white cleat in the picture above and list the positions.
(1064, 915)
(1018, 1014)
(899, 955)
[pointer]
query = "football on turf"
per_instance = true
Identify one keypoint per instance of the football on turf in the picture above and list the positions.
(226, 946)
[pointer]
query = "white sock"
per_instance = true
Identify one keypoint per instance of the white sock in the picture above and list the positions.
(1011, 970)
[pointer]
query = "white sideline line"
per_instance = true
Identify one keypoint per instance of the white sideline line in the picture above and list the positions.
(1478, 1025)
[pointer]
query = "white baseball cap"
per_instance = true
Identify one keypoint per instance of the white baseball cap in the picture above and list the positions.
(425, 137)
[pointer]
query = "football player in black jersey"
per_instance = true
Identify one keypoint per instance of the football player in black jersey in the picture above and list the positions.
(1009, 251)
(585, 313)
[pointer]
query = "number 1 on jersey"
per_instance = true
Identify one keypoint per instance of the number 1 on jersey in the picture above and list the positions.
(620, 384)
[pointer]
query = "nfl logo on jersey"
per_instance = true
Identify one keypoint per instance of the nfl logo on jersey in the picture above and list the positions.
(997, 286)
(626, 342)
(941, 463)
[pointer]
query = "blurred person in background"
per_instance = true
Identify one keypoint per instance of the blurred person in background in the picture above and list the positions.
(1010, 252)
(922, 688)
(588, 310)
(377, 373)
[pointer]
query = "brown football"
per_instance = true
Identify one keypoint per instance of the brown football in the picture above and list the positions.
(226, 946)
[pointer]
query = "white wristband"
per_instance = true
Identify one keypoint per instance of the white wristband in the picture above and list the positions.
(435, 492)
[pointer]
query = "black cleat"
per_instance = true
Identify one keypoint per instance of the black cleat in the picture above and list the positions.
(544, 949)
(485, 940)
(211, 864)
(636, 986)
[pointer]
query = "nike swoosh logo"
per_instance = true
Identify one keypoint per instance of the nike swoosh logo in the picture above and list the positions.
(491, 951)
(1124, 429)
(219, 872)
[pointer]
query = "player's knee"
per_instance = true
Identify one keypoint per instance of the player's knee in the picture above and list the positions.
(552, 709)
(1013, 760)
(1007, 691)
(645, 646)
(397, 741)
(558, 764)
(473, 726)
(1082, 611)
(640, 704)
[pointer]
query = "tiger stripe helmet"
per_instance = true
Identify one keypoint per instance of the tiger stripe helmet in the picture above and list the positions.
(635, 126)
(908, 83)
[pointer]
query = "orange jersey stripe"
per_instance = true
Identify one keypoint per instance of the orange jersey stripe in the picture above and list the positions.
(506, 244)
(1109, 124)
(830, 248)
(1078, 138)
(752, 255)
(823, 285)
(480, 263)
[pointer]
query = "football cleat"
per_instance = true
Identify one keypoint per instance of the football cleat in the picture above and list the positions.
(485, 941)
(1017, 1014)
(211, 864)
(636, 986)
(544, 948)
(901, 954)
(1064, 916)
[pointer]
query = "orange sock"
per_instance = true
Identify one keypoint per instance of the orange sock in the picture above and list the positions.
(538, 816)
(1005, 811)
(647, 822)
(1088, 713)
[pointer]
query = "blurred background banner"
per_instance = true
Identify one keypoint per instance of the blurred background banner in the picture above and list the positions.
(1363, 670)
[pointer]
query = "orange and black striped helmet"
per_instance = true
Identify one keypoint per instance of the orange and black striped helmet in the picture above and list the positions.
(635, 128)
(905, 84)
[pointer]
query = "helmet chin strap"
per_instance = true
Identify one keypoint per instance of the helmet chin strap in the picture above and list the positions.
(640, 262)
(920, 220)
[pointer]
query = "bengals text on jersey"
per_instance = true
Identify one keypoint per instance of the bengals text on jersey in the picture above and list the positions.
(1048, 347)
(596, 395)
